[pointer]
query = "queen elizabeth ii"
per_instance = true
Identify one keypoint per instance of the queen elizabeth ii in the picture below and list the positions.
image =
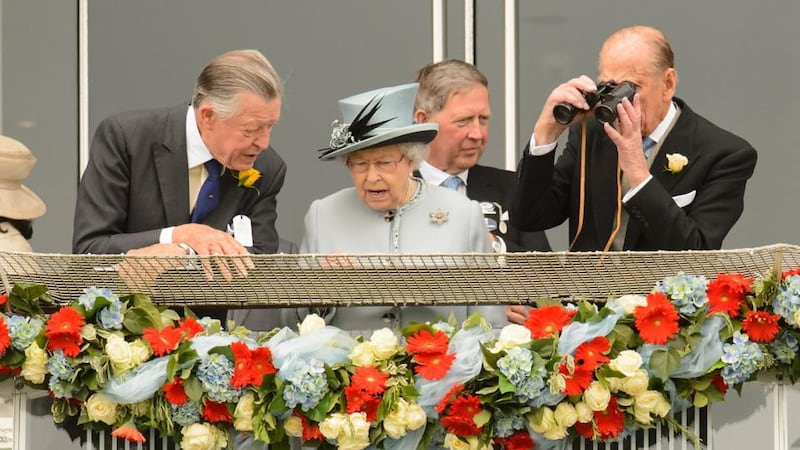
(388, 210)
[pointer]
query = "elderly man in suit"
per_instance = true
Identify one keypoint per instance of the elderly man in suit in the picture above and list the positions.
(455, 95)
(198, 178)
(680, 188)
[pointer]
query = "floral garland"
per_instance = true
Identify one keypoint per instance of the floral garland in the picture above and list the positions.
(599, 371)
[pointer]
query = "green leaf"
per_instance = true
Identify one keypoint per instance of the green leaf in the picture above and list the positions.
(700, 400)
(193, 388)
(664, 362)
(140, 317)
(482, 418)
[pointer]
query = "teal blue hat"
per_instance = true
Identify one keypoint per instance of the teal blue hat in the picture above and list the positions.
(377, 118)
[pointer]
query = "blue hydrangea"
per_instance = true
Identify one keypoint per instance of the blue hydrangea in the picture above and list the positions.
(306, 385)
(59, 367)
(444, 327)
(61, 388)
(506, 424)
(787, 302)
(784, 347)
(111, 317)
(525, 370)
(742, 358)
(23, 330)
(688, 292)
(90, 294)
(186, 414)
(215, 373)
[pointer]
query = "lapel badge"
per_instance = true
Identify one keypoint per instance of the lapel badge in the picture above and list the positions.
(488, 208)
(439, 216)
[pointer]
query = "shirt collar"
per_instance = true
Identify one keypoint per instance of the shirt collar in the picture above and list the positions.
(435, 176)
(196, 151)
(658, 134)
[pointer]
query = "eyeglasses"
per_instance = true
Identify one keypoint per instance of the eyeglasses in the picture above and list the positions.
(381, 165)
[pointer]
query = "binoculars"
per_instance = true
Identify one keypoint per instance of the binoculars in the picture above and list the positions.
(604, 101)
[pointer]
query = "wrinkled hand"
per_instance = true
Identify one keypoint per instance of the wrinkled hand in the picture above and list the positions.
(627, 136)
(209, 241)
(140, 273)
(547, 130)
(517, 314)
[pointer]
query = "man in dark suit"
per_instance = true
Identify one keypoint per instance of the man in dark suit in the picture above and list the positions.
(683, 188)
(455, 95)
(177, 180)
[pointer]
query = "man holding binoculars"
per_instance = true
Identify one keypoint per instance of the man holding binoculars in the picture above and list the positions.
(682, 188)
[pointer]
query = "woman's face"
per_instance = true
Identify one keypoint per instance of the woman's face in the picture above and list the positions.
(380, 176)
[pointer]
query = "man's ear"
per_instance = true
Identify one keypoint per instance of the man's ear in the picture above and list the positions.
(420, 116)
(205, 116)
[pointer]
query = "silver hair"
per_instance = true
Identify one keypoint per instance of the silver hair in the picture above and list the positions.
(227, 76)
(413, 151)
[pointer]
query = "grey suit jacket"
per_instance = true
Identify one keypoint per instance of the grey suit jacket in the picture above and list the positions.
(136, 183)
(341, 222)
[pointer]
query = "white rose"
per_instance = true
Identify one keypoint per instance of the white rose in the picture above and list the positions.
(34, 369)
(293, 426)
(630, 302)
(394, 424)
(332, 426)
(119, 354)
(140, 352)
(597, 396)
(627, 362)
(355, 434)
(555, 434)
(796, 318)
(475, 444)
(584, 413)
(100, 408)
(384, 343)
(415, 416)
(310, 324)
(511, 336)
(643, 404)
(546, 421)
(243, 414)
(452, 442)
(662, 407)
(363, 355)
(202, 436)
(565, 415)
(637, 383)
(676, 162)
(614, 384)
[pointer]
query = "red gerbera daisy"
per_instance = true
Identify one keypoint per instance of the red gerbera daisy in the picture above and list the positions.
(5, 339)
(521, 440)
(190, 327)
(370, 408)
(433, 366)
(585, 429)
(63, 331)
(370, 379)
(262, 362)
(611, 421)
(129, 432)
(658, 321)
(5, 370)
(310, 429)
(577, 381)
(548, 320)
(3, 299)
(726, 293)
(784, 275)
(454, 391)
(590, 355)
(720, 384)
(356, 398)
(243, 373)
(423, 342)
(174, 392)
(163, 341)
(761, 326)
(215, 412)
(460, 417)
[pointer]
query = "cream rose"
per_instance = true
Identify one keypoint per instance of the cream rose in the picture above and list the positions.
(511, 336)
(140, 352)
(243, 414)
(394, 424)
(630, 302)
(384, 343)
(310, 324)
(34, 369)
(452, 442)
(597, 396)
(363, 355)
(627, 362)
(584, 413)
(565, 415)
(332, 426)
(637, 383)
(643, 405)
(202, 436)
(796, 318)
(662, 407)
(545, 421)
(100, 408)
(293, 426)
(415, 416)
(676, 162)
(555, 434)
(355, 434)
(119, 354)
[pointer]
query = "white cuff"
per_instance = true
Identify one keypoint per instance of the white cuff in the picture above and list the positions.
(166, 235)
(631, 192)
(540, 150)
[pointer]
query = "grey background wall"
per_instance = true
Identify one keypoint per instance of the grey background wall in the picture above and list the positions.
(738, 63)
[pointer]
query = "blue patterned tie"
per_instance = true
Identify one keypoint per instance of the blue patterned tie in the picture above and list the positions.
(208, 197)
(647, 144)
(452, 183)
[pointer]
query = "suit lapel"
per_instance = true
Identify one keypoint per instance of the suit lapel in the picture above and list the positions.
(172, 168)
(602, 186)
(481, 188)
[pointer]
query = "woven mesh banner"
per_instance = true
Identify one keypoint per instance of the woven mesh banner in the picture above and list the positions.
(381, 279)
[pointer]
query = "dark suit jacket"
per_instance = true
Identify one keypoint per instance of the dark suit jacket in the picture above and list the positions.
(489, 184)
(136, 183)
(720, 164)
